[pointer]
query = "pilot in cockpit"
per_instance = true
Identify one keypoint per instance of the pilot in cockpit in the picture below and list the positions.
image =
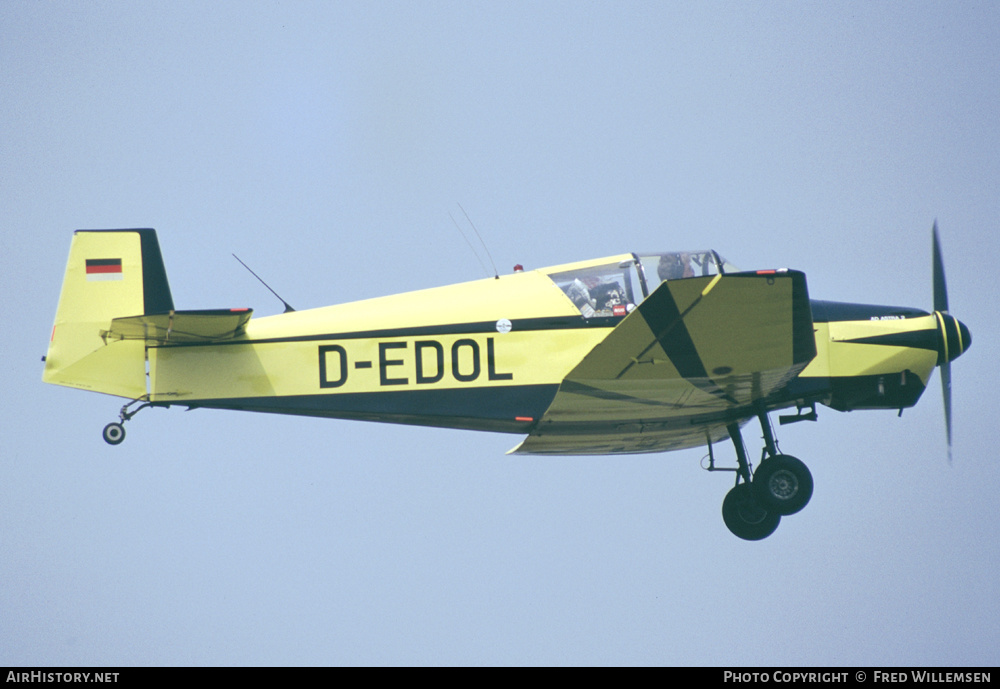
(675, 266)
(599, 299)
(608, 296)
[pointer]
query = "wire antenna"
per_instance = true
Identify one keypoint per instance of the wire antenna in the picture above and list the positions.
(471, 248)
(496, 273)
(288, 308)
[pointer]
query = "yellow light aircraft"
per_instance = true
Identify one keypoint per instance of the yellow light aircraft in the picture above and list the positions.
(626, 354)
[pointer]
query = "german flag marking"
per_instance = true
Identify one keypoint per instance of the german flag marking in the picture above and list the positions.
(104, 269)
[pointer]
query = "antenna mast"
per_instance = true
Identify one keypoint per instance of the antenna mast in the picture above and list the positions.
(288, 308)
(496, 273)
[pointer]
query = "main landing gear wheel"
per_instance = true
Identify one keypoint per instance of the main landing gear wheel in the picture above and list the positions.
(745, 516)
(783, 484)
(114, 433)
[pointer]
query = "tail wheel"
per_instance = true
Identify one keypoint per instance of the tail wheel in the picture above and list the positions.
(746, 516)
(783, 484)
(114, 433)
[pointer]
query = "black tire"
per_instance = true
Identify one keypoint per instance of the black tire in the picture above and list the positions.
(746, 517)
(783, 484)
(114, 433)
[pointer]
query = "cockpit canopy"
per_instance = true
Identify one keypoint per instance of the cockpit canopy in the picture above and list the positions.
(613, 287)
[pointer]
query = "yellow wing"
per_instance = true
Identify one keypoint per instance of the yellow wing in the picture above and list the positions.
(696, 355)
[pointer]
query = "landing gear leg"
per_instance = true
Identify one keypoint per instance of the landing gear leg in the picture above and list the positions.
(770, 447)
(114, 432)
(782, 483)
(742, 511)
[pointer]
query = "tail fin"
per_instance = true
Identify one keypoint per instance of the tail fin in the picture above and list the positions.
(110, 273)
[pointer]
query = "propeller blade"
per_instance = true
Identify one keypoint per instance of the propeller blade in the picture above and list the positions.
(940, 288)
(941, 304)
(946, 395)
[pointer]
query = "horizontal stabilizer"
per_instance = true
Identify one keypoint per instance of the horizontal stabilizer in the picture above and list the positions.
(180, 327)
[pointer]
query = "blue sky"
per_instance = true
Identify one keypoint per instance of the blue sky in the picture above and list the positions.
(326, 144)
